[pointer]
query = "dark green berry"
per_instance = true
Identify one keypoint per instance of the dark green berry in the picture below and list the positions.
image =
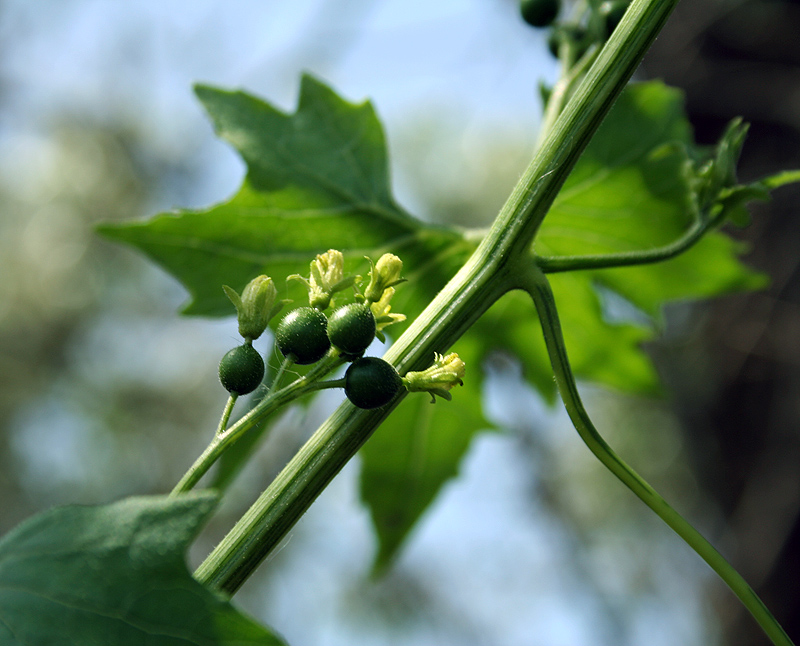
(371, 382)
(352, 328)
(302, 335)
(539, 13)
(241, 370)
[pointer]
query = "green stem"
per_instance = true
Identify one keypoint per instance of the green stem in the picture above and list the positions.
(226, 413)
(553, 264)
(537, 285)
(333, 383)
(478, 284)
(285, 365)
(273, 400)
(571, 73)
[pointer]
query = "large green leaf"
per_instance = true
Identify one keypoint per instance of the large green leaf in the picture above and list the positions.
(316, 180)
(115, 575)
(632, 189)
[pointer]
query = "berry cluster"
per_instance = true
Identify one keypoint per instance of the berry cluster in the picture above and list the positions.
(306, 335)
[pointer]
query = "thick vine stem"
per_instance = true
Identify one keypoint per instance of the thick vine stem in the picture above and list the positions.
(478, 284)
(536, 284)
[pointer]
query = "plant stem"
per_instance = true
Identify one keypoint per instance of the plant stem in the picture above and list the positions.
(226, 413)
(273, 400)
(571, 73)
(553, 264)
(325, 385)
(285, 365)
(537, 285)
(477, 285)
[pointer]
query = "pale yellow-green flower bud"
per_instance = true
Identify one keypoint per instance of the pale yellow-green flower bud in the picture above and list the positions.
(381, 310)
(326, 278)
(445, 373)
(255, 307)
(383, 275)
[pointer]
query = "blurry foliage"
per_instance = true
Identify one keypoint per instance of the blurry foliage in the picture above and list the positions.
(94, 381)
(733, 368)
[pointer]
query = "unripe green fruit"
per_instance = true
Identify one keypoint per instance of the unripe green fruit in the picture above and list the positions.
(539, 13)
(352, 328)
(241, 370)
(371, 382)
(302, 335)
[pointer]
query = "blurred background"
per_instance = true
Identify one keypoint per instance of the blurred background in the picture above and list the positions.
(106, 392)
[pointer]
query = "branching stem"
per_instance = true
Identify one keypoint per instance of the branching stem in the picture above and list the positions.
(271, 402)
(554, 264)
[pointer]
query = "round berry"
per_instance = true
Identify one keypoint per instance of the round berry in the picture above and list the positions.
(352, 328)
(241, 370)
(302, 335)
(371, 382)
(539, 13)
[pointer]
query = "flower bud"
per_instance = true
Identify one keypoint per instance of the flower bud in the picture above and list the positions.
(327, 269)
(255, 307)
(326, 278)
(381, 310)
(445, 373)
(383, 275)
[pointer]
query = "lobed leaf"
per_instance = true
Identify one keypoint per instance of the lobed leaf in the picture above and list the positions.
(316, 180)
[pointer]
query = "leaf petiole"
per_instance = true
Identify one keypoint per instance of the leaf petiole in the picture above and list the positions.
(554, 264)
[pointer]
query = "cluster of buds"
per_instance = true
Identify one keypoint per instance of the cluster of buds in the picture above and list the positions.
(327, 277)
(446, 372)
(255, 307)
